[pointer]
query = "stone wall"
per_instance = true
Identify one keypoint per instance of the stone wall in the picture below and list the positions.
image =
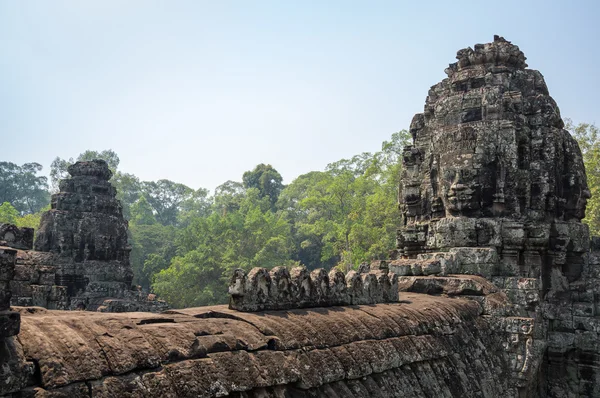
(14, 368)
(9, 320)
(426, 346)
(35, 282)
(279, 288)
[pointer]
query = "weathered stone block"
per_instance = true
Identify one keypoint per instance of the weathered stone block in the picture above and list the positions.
(21, 288)
(586, 340)
(47, 276)
(5, 296)
(23, 272)
(300, 289)
(10, 323)
(39, 295)
(583, 309)
(22, 301)
(561, 339)
(7, 264)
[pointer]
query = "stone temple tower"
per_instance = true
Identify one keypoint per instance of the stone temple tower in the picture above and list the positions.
(87, 233)
(81, 254)
(85, 221)
(496, 187)
(491, 166)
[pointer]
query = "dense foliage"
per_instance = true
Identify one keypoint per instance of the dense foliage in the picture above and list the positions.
(186, 242)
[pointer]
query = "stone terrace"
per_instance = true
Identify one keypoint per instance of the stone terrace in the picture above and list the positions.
(423, 346)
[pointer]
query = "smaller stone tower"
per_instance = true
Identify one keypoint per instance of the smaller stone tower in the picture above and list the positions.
(82, 245)
(85, 221)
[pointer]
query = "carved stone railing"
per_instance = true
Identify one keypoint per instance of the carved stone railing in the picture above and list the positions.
(280, 289)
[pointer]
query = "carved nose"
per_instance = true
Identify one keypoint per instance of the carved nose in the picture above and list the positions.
(586, 194)
(458, 187)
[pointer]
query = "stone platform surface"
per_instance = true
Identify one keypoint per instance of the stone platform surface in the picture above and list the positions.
(422, 346)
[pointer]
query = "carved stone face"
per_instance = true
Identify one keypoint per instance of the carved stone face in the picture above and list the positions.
(411, 195)
(465, 174)
(577, 194)
(458, 184)
(575, 190)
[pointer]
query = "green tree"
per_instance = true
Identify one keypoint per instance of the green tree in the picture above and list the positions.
(266, 179)
(347, 214)
(199, 204)
(22, 187)
(8, 214)
(166, 198)
(141, 213)
(59, 166)
(209, 248)
(129, 190)
(152, 248)
(229, 196)
(31, 220)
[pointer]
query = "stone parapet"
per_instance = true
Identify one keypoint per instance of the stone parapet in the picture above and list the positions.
(280, 289)
(425, 346)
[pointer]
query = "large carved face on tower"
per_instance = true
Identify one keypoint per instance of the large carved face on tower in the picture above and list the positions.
(575, 190)
(490, 156)
(464, 174)
(459, 189)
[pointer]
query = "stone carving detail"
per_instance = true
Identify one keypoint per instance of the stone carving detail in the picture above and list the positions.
(278, 289)
(15, 237)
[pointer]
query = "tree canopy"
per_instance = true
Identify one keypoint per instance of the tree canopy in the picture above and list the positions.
(22, 187)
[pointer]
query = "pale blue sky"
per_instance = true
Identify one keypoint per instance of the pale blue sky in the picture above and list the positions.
(200, 91)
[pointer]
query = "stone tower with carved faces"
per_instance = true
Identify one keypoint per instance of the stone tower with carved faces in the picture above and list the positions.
(496, 187)
(492, 166)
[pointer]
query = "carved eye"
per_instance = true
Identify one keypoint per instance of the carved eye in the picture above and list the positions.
(449, 175)
(469, 174)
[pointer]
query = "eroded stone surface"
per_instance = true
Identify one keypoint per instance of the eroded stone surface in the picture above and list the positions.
(425, 346)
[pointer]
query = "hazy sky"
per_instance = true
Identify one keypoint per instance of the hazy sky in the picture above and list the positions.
(200, 91)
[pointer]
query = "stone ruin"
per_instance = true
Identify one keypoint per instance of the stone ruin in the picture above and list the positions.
(493, 185)
(493, 290)
(17, 238)
(81, 256)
